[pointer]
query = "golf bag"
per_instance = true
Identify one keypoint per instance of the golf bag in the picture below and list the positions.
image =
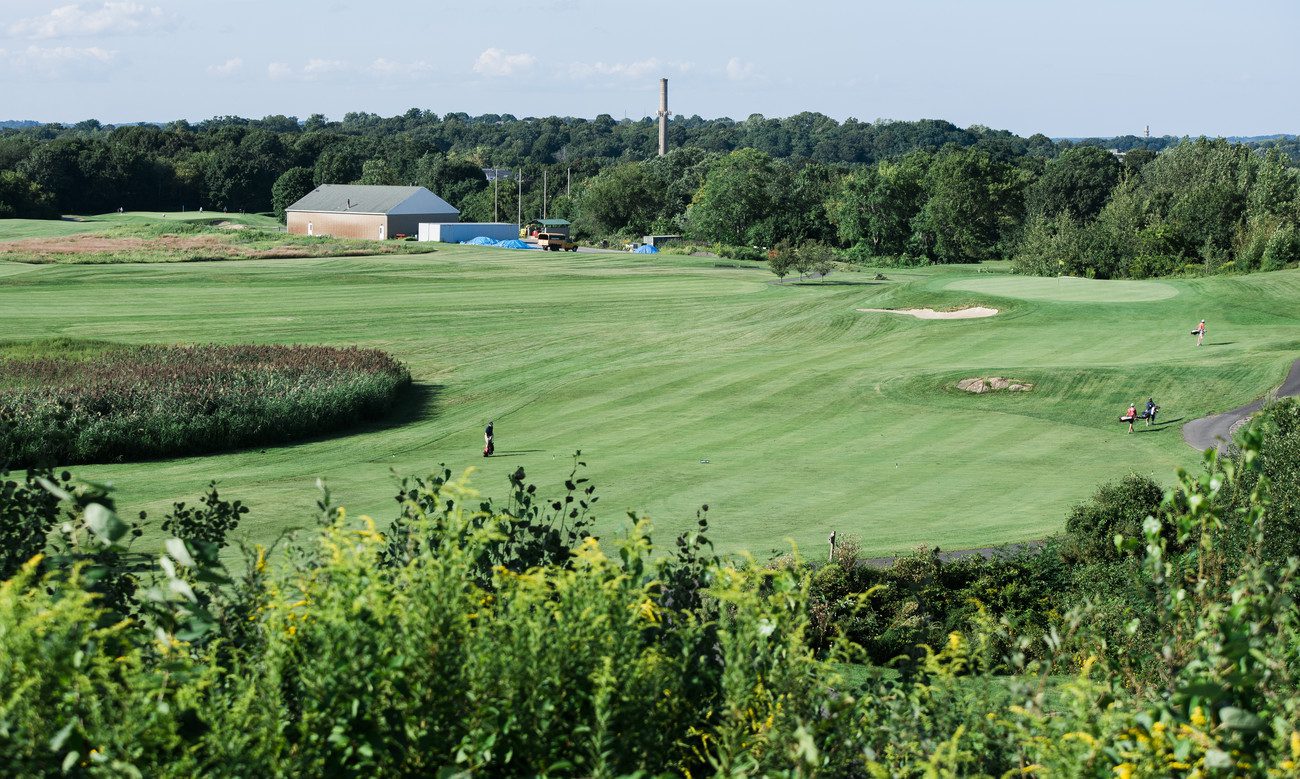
(489, 449)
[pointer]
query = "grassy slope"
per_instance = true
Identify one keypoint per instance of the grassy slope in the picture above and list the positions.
(16, 229)
(812, 416)
(145, 237)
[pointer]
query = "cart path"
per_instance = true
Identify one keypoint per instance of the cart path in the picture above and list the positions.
(1216, 431)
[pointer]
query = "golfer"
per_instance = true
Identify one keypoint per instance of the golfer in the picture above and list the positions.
(1200, 332)
(1130, 415)
(1150, 414)
(489, 445)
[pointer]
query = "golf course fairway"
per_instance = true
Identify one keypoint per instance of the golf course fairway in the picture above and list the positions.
(688, 381)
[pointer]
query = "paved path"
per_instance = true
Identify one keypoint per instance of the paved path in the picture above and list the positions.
(1217, 430)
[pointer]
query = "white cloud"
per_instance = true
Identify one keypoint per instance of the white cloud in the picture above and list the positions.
(739, 70)
(228, 68)
(56, 61)
(73, 20)
(312, 70)
(321, 67)
(496, 62)
(630, 70)
(392, 69)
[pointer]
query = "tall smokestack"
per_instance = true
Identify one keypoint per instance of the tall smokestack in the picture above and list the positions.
(663, 116)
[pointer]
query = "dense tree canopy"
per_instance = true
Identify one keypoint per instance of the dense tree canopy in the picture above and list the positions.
(922, 191)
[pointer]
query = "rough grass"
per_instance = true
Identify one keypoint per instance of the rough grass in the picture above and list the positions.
(17, 229)
(1068, 289)
(146, 238)
(64, 401)
(811, 416)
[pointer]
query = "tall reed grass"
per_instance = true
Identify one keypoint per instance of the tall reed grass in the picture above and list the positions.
(137, 402)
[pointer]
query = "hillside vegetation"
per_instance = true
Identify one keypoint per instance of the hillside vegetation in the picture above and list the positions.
(496, 637)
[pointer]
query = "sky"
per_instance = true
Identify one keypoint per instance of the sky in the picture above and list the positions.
(1101, 68)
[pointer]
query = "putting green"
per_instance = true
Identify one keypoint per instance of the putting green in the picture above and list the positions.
(1067, 289)
(812, 417)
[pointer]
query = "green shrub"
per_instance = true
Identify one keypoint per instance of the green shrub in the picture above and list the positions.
(1279, 465)
(746, 253)
(338, 657)
(1115, 509)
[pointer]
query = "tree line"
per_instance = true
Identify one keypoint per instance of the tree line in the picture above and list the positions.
(887, 192)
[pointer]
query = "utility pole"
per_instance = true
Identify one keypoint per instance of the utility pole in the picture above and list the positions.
(568, 180)
(543, 192)
(520, 200)
(496, 212)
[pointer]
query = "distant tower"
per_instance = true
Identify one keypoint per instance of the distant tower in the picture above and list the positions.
(1148, 132)
(664, 113)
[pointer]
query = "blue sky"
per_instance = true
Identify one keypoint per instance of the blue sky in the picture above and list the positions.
(1098, 68)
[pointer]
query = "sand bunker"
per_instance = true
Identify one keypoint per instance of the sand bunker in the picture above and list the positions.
(981, 385)
(976, 312)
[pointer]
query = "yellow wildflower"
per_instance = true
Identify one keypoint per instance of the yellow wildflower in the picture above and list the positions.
(1198, 717)
(1124, 771)
(646, 609)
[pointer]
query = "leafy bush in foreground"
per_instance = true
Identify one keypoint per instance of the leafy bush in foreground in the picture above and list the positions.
(134, 402)
(341, 657)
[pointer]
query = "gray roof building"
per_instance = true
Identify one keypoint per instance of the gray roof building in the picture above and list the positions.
(367, 211)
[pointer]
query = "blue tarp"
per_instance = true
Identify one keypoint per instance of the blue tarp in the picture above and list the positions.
(514, 244)
(645, 248)
(482, 240)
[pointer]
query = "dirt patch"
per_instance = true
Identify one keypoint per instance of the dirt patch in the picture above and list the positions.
(979, 385)
(975, 312)
(231, 242)
(100, 244)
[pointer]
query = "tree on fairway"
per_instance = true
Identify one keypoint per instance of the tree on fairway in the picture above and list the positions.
(804, 261)
(780, 258)
(817, 257)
